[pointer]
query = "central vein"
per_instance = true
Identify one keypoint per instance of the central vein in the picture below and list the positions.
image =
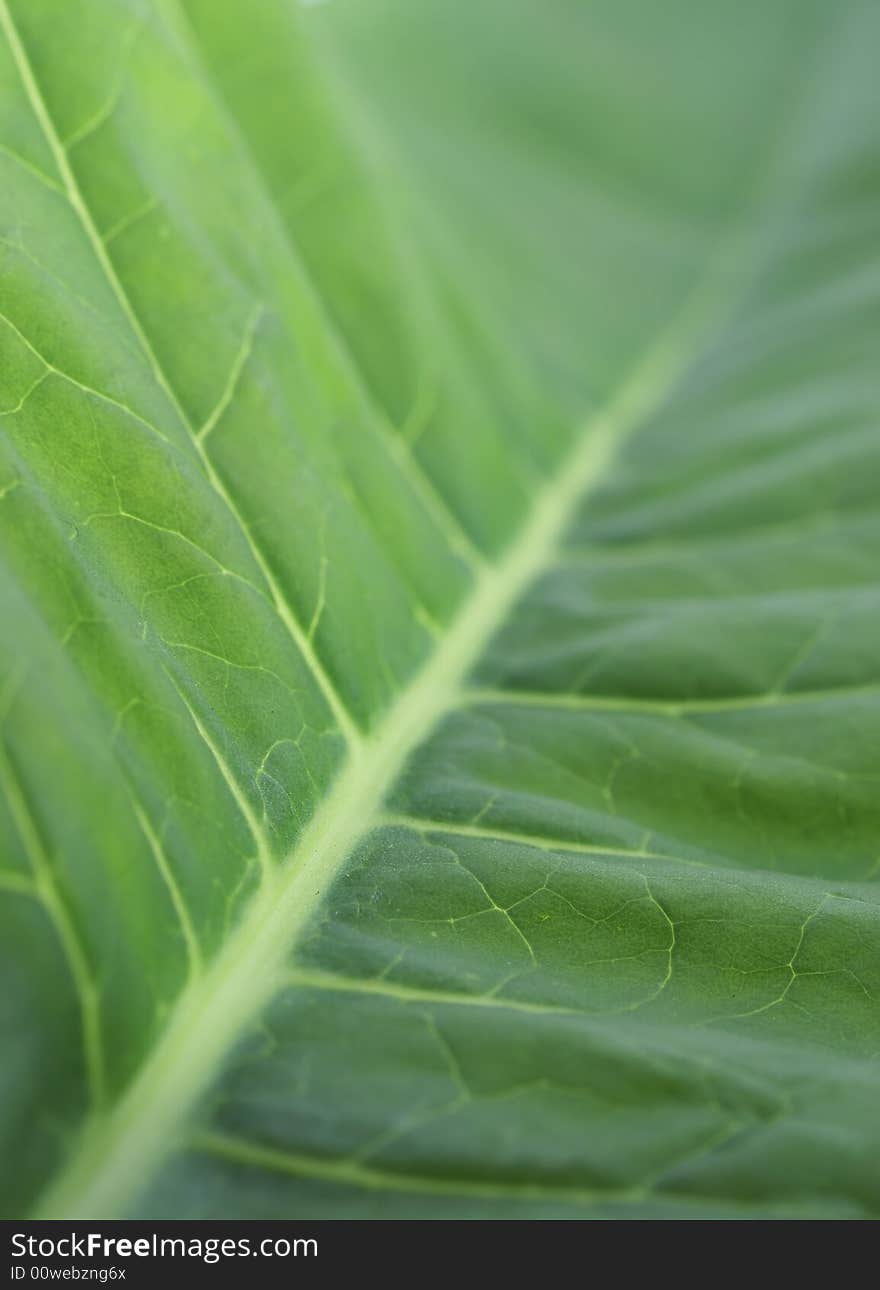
(120, 1151)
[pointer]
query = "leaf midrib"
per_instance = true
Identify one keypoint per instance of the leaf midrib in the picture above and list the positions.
(215, 1009)
(120, 1150)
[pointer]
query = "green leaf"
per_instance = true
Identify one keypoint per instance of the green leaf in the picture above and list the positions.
(440, 703)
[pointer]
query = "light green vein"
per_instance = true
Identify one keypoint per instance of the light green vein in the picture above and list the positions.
(35, 385)
(355, 1174)
(664, 707)
(235, 371)
(166, 872)
(352, 1173)
(31, 169)
(88, 390)
(540, 842)
(257, 832)
(128, 220)
(45, 887)
(445, 520)
(304, 978)
(341, 714)
(20, 884)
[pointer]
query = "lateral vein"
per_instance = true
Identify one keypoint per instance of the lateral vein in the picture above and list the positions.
(46, 890)
(357, 1174)
(648, 705)
(491, 833)
(343, 717)
(436, 504)
(305, 979)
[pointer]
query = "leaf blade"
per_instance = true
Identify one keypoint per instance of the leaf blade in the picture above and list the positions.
(251, 666)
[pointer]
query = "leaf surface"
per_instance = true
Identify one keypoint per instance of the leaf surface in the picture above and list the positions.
(440, 708)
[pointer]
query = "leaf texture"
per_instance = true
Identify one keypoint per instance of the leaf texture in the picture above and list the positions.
(439, 694)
